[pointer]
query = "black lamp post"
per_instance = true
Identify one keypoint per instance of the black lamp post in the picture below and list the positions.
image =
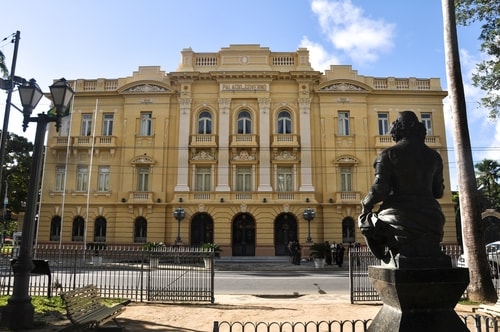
(19, 312)
(179, 214)
(309, 215)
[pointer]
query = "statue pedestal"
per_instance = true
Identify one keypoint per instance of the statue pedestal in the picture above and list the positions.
(417, 300)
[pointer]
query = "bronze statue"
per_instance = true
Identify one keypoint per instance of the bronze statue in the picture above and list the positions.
(408, 180)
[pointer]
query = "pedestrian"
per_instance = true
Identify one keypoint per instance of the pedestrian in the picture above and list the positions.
(340, 254)
(298, 253)
(328, 258)
(333, 250)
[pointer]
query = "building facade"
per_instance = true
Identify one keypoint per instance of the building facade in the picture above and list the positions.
(230, 148)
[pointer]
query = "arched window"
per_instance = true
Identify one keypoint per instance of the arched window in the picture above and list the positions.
(55, 228)
(140, 230)
(100, 229)
(244, 123)
(284, 123)
(205, 123)
(78, 229)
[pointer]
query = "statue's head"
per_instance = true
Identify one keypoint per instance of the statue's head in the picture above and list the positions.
(407, 126)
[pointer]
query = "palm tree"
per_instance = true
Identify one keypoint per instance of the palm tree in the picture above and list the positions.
(3, 68)
(488, 176)
(480, 288)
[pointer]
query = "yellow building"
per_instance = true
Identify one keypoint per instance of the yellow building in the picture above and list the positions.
(239, 142)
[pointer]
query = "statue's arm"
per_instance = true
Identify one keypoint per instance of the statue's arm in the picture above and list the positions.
(381, 187)
(438, 180)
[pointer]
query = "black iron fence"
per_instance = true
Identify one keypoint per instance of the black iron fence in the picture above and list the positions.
(164, 274)
(475, 322)
(360, 286)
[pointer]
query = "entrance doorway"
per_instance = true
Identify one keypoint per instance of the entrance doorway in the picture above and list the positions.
(202, 229)
(285, 230)
(243, 235)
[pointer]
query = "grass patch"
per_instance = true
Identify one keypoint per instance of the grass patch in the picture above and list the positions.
(48, 310)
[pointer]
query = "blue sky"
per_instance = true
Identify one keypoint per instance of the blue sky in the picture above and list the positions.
(109, 39)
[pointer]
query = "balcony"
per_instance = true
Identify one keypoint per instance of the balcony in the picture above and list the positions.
(84, 142)
(285, 140)
(385, 141)
(203, 140)
(244, 140)
(348, 197)
(140, 197)
(59, 142)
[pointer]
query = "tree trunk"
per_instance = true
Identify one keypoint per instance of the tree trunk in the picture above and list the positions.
(481, 287)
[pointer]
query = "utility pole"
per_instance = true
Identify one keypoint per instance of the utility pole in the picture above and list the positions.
(5, 129)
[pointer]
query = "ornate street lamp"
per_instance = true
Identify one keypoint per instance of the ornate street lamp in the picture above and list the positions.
(309, 215)
(19, 312)
(179, 214)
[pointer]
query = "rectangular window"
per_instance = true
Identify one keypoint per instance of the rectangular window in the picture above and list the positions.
(86, 125)
(346, 179)
(146, 124)
(143, 179)
(244, 179)
(383, 124)
(103, 179)
(284, 179)
(203, 179)
(82, 178)
(107, 124)
(60, 178)
(344, 123)
(427, 121)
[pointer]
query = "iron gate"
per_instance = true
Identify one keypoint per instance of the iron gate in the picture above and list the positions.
(163, 274)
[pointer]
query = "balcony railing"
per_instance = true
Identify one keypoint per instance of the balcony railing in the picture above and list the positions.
(384, 141)
(140, 197)
(60, 142)
(348, 196)
(285, 140)
(244, 140)
(204, 140)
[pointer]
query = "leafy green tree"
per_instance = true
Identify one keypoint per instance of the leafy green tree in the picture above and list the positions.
(487, 74)
(488, 180)
(16, 170)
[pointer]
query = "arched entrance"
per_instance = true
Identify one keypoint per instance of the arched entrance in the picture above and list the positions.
(243, 235)
(285, 230)
(202, 229)
(491, 224)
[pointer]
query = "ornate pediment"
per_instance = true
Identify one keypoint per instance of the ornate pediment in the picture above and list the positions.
(346, 160)
(342, 86)
(146, 88)
(143, 160)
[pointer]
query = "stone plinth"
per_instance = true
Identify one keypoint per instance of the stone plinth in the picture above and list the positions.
(417, 300)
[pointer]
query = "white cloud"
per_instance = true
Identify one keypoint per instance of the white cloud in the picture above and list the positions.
(361, 38)
(319, 57)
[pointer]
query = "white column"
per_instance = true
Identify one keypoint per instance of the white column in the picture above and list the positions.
(264, 146)
(183, 155)
(223, 155)
(305, 143)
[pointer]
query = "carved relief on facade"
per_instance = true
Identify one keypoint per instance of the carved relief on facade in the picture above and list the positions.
(203, 155)
(244, 155)
(342, 87)
(144, 88)
(285, 155)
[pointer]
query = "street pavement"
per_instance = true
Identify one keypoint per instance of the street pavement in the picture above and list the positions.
(270, 263)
